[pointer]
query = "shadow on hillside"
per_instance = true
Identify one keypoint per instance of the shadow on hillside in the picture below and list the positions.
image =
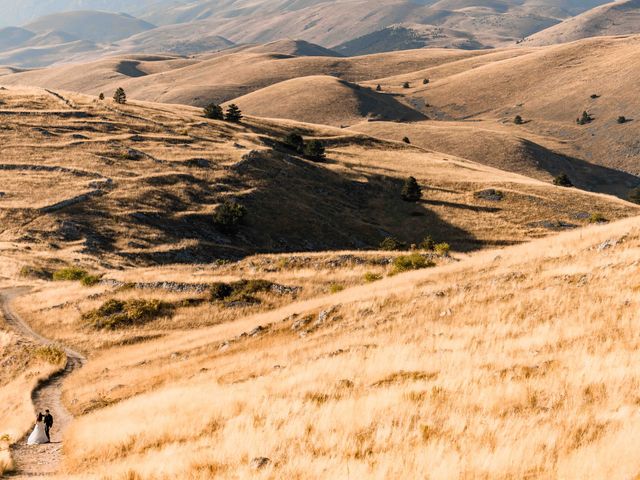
(583, 174)
(463, 206)
(293, 205)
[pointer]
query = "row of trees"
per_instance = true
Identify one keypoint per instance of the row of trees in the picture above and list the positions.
(214, 111)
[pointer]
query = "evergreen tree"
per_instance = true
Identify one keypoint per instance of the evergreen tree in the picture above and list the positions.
(315, 150)
(233, 114)
(426, 81)
(213, 111)
(411, 191)
(101, 96)
(518, 120)
(120, 96)
(563, 180)
(406, 85)
(406, 140)
(379, 88)
(295, 142)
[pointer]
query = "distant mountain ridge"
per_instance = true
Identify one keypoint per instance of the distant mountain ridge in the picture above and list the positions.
(349, 27)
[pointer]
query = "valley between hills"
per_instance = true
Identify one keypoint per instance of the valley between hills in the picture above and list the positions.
(444, 286)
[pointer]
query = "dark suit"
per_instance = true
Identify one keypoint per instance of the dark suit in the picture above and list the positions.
(48, 423)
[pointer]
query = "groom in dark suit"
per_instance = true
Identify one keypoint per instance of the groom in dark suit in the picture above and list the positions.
(48, 423)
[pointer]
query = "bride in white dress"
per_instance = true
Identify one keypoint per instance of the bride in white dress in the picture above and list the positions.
(38, 436)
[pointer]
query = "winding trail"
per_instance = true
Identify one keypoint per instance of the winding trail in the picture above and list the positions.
(41, 460)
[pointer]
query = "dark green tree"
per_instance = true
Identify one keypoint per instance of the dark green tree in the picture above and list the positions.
(563, 180)
(233, 114)
(120, 96)
(406, 85)
(101, 96)
(584, 119)
(229, 216)
(411, 190)
(518, 120)
(213, 111)
(315, 150)
(622, 119)
(379, 88)
(426, 81)
(406, 140)
(295, 142)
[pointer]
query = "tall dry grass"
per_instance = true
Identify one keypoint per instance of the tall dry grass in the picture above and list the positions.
(512, 364)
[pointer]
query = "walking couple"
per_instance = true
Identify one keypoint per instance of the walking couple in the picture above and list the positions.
(41, 432)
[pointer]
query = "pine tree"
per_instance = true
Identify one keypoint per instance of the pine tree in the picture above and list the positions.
(518, 120)
(120, 97)
(406, 140)
(315, 150)
(563, 180)
(101, 96)
(213, 111)
(426, 81)
(406, 85)
(411, 191)
(233, 114)
(379, 88)
(295, 142)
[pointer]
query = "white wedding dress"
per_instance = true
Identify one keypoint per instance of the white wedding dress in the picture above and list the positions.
(38, 436)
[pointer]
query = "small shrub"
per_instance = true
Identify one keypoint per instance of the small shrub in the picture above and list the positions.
(415, 261)
(120, 96)
(428, 244)
(336, 288)
(315, 150)
(379, 88)
(233, 114)
(229, 216)
(371, 277)
(563, 180)
(426, 81)
(442, 249)
(101, 96)
(90, 280)
(213, 111)
(240, 291)
(406, 85)
(295, 142)
(584, 119)
(594, 96)
(406, 140)
(220, 291)
(411, 191)
(39, 273)
(51, 354)
(622, 119)
(597, 218)
(69, 274)
(518, 120)
(392, 244)
(115, 314)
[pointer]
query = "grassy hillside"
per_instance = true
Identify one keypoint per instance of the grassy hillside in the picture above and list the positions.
(549, 88)
(139, 183)
(512, 364)
(324, 100)
(616, 18)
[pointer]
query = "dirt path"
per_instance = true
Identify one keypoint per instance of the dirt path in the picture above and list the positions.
(41, 460)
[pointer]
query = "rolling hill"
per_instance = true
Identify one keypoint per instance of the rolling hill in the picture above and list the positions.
(617, 18)
(340, 102)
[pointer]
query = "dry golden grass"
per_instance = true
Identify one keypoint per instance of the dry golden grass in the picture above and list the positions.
(508, 364)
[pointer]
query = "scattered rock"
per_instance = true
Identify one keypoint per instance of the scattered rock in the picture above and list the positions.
(301, 323)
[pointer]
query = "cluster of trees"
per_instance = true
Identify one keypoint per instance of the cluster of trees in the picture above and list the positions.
(313, 149)
(214, 111)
